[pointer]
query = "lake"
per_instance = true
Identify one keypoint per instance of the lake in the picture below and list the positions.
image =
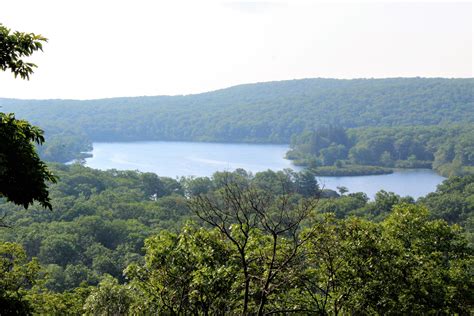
(176, 159)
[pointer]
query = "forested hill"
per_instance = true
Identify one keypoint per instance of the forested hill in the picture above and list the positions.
(261, 112)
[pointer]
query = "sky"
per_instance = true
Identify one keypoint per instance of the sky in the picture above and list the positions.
(113, 48)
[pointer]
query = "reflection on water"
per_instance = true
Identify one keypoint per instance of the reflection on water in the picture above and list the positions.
(413, 182)
(176, 159)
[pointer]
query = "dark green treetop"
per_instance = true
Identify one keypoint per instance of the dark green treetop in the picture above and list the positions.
(23, 176)
(14, 47)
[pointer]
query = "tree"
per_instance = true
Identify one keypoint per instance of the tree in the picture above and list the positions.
(403, 265)
(23, 176)
(264, 230)
(152, 185)
(306, 184)
(57, 303)
(185, 274)
(14, 46)
(342, 190)
(108, 298)
(16, 275)
(432, 270)
(386, 159)
(328, 278)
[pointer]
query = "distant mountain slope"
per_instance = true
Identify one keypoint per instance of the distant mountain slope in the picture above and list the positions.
(261, 112)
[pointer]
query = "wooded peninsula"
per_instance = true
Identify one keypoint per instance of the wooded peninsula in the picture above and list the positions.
(337, 127)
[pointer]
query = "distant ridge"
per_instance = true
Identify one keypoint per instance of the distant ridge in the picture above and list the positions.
(274, 83)
(258, 112)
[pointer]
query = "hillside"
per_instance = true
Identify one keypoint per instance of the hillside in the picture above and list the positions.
(261, 112)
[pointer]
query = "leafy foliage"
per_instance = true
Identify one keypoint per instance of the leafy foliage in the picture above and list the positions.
(191, 271)
(404, 264)
(23, 176)
(122, 242)
(108, 298)
(333, 150)
(17, 275)
(264, 112)
(64, 147)
(15, 46)
(98, 223)
(453, 202)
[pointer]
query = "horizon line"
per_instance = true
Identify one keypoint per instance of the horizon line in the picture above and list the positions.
(233, 86)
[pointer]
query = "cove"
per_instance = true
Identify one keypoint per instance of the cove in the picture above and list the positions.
(176, 159)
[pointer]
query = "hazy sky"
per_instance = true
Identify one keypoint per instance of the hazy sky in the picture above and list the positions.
(111, 48)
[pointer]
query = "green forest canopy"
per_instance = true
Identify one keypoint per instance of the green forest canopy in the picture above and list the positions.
(118, 241)
(447, 149)
(262, 112)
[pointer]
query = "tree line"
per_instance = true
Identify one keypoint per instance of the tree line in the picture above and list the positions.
(448, 150)
(264, 112)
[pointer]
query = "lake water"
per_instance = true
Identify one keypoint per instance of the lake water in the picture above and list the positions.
(413, 182)
(176, 159)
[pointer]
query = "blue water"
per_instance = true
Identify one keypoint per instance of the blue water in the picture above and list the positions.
(176, 159)
(413, 182)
